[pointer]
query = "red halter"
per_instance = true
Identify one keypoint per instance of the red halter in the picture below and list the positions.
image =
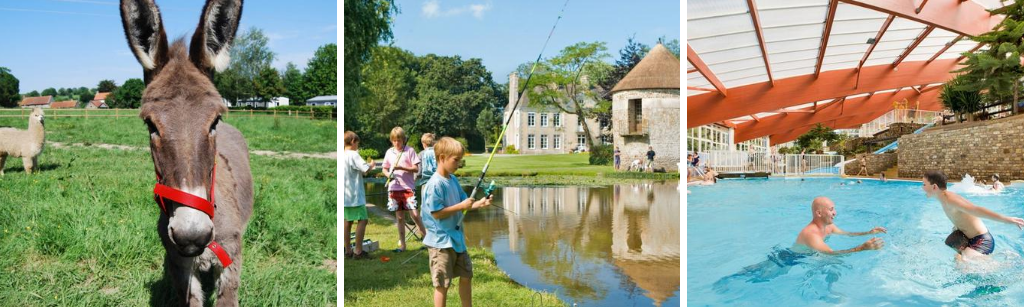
(195, 202)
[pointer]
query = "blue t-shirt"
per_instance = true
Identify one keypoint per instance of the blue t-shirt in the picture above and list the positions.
(440, 193)
(428, 163)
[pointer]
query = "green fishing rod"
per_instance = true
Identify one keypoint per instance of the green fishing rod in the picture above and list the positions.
(497, 141)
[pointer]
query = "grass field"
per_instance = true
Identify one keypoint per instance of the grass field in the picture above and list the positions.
(82, 231)
(261, 132)
(574, 169)
(372, 282)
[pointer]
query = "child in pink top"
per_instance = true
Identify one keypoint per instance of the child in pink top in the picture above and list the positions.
(401, 195)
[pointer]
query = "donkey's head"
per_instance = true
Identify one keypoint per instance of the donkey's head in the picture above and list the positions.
(181, 107)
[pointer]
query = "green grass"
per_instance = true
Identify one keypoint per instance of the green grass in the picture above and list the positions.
(82, 232)
(261, 132)
(563, 169)
(372, 282)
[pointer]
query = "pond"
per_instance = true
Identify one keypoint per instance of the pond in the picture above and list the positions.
(593, 246)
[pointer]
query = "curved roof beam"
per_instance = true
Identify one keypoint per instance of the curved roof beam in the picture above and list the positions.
(848, 122)
(859, 105)
(701, 67)
(967, 18)
(761, 97)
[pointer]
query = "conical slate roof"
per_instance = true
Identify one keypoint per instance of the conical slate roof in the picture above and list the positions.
(658, 70)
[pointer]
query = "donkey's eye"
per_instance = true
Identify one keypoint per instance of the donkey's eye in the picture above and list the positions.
(152, 128)
(213, 126)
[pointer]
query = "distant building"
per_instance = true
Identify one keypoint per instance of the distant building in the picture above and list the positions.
(256, 103)
(645, 110)
(99, 101)
(36, 102)
(545, 129)
(323, 101)
(68, 104)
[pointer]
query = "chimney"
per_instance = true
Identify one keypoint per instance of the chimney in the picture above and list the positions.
(513, 89)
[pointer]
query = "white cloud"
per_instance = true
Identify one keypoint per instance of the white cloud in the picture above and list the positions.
(432, 9)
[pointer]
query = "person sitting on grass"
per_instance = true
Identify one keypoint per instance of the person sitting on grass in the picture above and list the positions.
(401, 195)
(428, 162)
(970, 238)
(443, 204)
(812, 237)
(355, 197)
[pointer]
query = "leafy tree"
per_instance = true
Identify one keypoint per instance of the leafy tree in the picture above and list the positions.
(250, 56)
(322, 71)
(129, 95)
(450, 92)
(957, 97)
(558, 81)
(389, 81)
(671, 45)
(50, 92)
(996, 71)
(84, 99)
(9, 96)
(63, 92)
(812, 140)
(230, 84)
(32, 94)
(106, 86)
(293, 84)
(268, 84)
(367, 23)
(488, 123)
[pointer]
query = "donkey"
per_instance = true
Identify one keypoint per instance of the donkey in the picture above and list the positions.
(204, 185)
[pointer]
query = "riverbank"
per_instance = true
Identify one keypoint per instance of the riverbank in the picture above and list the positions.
(403, 279)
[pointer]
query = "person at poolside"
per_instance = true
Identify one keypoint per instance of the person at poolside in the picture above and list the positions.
(812, 237)
(970, 238)
(863, 167)
(618, 157)
(881, 176)
(650, 159)
(996, 184)
(710, 176)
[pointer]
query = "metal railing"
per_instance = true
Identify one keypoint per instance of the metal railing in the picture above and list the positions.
(725, 161)
(898, 116)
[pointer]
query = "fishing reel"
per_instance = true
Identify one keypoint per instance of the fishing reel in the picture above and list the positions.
(490, 188)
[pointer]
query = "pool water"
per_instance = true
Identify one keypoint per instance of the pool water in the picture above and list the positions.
(739, 233)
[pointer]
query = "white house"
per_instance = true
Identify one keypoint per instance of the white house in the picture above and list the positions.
(323, 101)
(256, 103)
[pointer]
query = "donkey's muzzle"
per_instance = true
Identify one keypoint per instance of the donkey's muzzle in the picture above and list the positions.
(189, 243)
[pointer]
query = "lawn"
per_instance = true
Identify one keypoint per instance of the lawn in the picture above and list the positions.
(261, 132)
(373, 282)
(563, 169)
(82, 233)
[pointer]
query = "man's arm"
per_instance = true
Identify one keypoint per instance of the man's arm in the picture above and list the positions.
(980, 211)
(875, 230)
(817, 243)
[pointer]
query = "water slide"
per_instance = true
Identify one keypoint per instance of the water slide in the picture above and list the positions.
(895, 144)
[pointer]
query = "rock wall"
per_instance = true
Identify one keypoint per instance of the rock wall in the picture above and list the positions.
(977, 148)
(660, 110)
(875, 163)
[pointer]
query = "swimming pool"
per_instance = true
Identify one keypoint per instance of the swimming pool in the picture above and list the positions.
(742, 228)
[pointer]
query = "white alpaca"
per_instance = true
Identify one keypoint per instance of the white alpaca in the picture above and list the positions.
(26, 144)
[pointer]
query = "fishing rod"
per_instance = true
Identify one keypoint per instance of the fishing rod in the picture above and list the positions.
(526, 86)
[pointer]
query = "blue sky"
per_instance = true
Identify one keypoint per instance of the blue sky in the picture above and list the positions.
(74, 43)
(505, 34)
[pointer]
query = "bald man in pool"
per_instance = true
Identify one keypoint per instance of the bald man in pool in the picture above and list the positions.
(970, 237)
(812, 237)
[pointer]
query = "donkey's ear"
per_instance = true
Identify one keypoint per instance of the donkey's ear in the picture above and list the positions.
(145, 32)
(211, 43)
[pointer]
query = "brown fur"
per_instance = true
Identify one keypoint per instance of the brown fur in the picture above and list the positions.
(181, 104)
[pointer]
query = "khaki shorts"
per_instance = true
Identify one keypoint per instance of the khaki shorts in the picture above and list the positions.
(446, 264)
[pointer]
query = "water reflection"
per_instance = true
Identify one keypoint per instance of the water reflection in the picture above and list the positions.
(592, 245)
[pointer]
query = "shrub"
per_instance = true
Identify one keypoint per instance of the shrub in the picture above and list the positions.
(601, 155)
(511, 150)
(367, 153)
(465, 144)
(414, 141)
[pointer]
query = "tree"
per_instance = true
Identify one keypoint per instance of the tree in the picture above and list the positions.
(128, 95)
(106, 86)
(488, 123)
(389, 83)
(812, 140)
(450, 93)
(558, 81)
(9, 85)
(50, 92)
(957, 97)
(250, 56)
(32, 94)
(268, 85)
(293, 85)
(322, 71)
(671, 45)
(229, 84)
(996, 71)
(367, 23)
